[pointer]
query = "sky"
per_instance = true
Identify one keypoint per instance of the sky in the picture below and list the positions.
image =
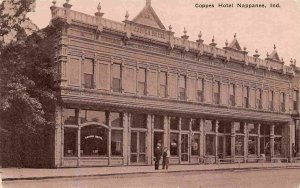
(255, 28)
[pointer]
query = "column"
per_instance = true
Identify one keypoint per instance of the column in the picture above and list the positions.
(129, 138)
(179, 141)
(78, 138)
(298, 103)
(298, 135)
(258, 139)
(202, 138)
(272, 140)
(58, 137)
(125, 139)
(109, 138)
(148, 139)
(245, 141)
(232, 141)
(216, 143)
(166, 133)
(190, 140)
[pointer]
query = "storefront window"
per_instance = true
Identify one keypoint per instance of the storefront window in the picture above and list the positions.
(116, 142)
(277, 146)
(158, 122)
(174, 144)
(239, 145)
(278, 130)
(139, 121)
(116, 119)
(265, 146)
(92, 116)
(252, 145)
(265, 130)
(93, 141)
(174, 122)
(69, 116)
(70, 142)
(185, 124)
(210, 144)
(195, 144)
(228, 145)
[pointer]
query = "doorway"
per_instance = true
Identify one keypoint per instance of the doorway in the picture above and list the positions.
(185, 148)
(138, 147)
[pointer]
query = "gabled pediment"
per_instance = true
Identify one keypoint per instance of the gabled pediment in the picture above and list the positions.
(274, 56)
(235, 45)
(148, 17)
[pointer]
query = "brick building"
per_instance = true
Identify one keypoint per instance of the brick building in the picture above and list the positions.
(127, 86)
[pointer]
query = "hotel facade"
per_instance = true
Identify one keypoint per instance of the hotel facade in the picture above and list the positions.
(127, 86)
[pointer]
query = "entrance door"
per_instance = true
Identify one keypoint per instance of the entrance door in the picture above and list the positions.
(138, 147)
(220, 147)
(184, 148)
(158, 138)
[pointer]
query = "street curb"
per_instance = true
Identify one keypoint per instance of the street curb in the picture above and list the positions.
(144, 173)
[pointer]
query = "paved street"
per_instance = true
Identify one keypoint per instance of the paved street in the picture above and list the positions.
(289, 178)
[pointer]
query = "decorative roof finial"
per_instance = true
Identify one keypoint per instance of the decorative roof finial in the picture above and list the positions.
(268, 54)
(67, 5)
(274, 47)
(245, 48)
(282, 60)
(184, 31)
(54, 2)
(200, 35)
(170, 27)
(148, 2)
(213, 39)
(256, 51)
(213, 42)
(99, 7)
(226, 43)
(235, 35)
(256, 55)
(291, 61)
(126, 15)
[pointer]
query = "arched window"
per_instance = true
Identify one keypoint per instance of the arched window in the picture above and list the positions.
(94, 140)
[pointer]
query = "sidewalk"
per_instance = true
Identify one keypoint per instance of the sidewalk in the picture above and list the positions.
(10, 174)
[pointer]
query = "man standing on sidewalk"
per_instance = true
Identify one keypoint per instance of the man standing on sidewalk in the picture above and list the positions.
(157, 155)
(166, 155)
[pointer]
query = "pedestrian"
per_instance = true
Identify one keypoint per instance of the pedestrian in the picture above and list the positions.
(157, 155)
(166, 156)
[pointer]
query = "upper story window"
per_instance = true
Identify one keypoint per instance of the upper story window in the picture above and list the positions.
(163, 84)
(282, 102)
(258, 99)
(216, 90)
(231, 95)
(271, 100)
(295, 99)
(116, 82)
(200, 90)
(142, 81)
(246, 97)
(138, 121)
(182, 87)
(88, 73)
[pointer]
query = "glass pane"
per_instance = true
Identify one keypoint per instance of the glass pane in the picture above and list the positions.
(163, 78)
(265, 146)
(116, 71)
(252, 145)
(70, 142)
(239, 145)
(278, 130)
(227, 145)
(133, 158)
(158, 122)
(116, 119)
(221, 127)
(75, 76)
(185, 124)
(246, 92)
(184, 143)
(142, 158)
(142, 142)
(93, 140)
(239, 128)
(88, 66)
(277, 146)
(69, 116)
(139, 121)
(220, 146)
(116, 85)
(182, 81)
(195, 144)
(158, 139)
(252, 129)
(208, 126)
(174, 144)
(200, 85)
(195, 125)
(133, 145)
(141, 88)
(210, 144)
(92, 116)
(116, 142)
(88, 80)
(174, 123)
(265, 129)
(162, 91)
